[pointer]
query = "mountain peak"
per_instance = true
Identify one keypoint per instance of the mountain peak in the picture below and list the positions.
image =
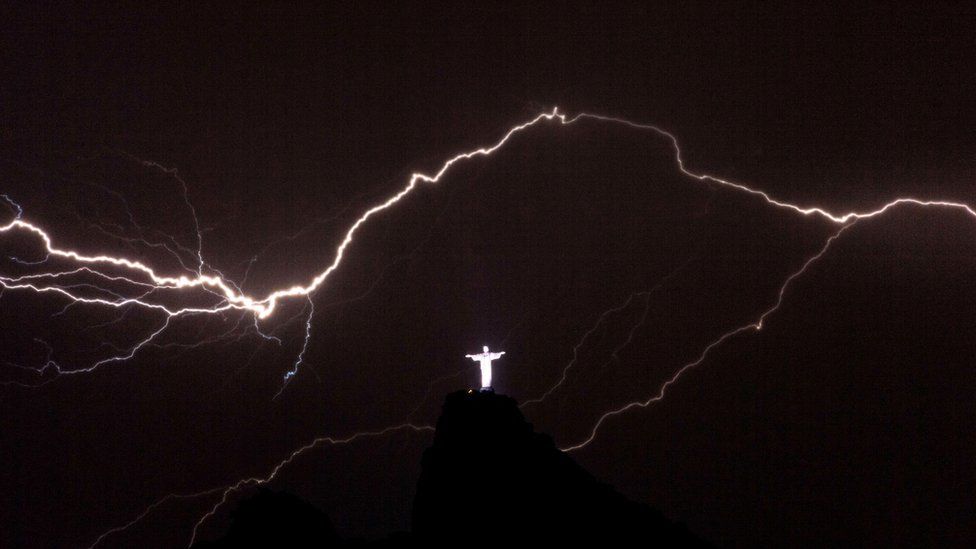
(489, 475)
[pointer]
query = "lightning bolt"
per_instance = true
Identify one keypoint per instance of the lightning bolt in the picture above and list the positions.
(133, 275)
(226, 491)
(150, 509)
(301, 354)
(231, 297)
(645, 295)
(753, 326)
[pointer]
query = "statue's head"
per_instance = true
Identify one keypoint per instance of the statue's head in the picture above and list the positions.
(485, 348)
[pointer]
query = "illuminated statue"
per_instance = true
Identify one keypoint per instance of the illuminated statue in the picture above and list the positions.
(485, 359)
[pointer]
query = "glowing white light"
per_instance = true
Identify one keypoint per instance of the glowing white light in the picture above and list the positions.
(485, 358)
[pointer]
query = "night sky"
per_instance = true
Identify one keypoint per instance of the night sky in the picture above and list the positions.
(846, 421)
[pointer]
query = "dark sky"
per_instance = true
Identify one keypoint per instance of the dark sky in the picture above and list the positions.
(846, 421)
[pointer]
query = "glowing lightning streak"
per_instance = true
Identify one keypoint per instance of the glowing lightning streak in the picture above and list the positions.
(266, 306)
(150, 509)
(131, 353)
(301, 355)
(755, 326)
(226, 491)
(257, 481)
(646, 294)
(234, 298)
(16, 206)
(835, 218)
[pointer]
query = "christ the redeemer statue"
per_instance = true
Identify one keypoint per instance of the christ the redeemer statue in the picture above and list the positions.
(485, 359)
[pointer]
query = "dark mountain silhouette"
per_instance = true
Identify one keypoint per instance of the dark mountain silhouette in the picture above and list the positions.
(276, 519)
(488, 477)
